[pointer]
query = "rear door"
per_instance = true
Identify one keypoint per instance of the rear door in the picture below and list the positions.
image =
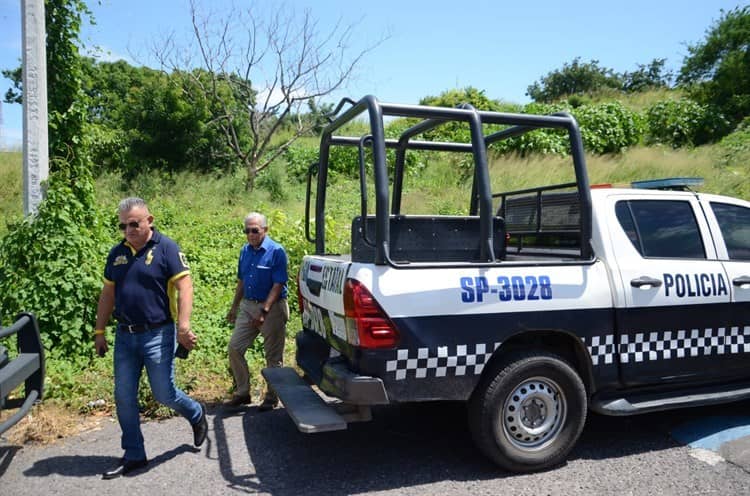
(673, 316)
(729, 220)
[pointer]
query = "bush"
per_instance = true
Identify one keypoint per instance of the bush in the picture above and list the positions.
(272, 180)
(299, 158)
(345, 159)
(544, 141)
(735, 147)
(608, 127)
(683, 122)
(50, 265)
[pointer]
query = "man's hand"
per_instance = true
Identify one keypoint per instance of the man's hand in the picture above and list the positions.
(259, 319)
(100, 343)
(187, 338)
(232, 315)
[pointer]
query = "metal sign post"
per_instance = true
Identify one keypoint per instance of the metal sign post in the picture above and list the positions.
(35, 144)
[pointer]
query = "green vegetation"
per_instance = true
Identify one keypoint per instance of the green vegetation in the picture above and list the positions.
(11, 199)
(204, 214)
(195, 146)
(578, 78)
(717, 71)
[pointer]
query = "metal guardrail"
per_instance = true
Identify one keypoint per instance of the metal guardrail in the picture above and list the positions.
(28, 367)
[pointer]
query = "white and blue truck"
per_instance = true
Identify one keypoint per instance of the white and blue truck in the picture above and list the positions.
(534, 307)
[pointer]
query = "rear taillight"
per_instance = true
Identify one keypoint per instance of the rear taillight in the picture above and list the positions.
(365, 318)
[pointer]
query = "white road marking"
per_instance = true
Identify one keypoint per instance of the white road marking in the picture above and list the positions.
(707, 456)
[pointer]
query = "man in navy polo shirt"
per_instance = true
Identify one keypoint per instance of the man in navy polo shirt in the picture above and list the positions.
(259, 306)
(148, 287)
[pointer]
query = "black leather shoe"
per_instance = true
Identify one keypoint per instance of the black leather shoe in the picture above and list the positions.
(268, 404)
(236, 401)
(124, 467)
(200, 428)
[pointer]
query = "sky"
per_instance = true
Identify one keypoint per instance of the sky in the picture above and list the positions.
(421, 48)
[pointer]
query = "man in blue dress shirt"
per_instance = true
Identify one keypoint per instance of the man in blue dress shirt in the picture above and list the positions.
(259, 307)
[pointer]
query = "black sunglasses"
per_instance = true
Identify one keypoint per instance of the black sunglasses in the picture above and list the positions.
(253, 230)
(132, 225)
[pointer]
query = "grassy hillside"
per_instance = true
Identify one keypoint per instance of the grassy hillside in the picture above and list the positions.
(11, 194)
(637, 101)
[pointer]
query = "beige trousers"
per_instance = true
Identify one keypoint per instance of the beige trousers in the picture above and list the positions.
(273, 331)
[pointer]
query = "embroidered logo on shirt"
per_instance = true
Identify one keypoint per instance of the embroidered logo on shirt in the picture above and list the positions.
(120, 260)
(150, 256)
(184, 261)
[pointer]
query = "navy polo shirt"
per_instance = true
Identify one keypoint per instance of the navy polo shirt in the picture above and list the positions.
(144, 280)
(260, 269)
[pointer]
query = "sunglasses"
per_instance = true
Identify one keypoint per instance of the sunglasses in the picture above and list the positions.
(132, 224)
(253, 230)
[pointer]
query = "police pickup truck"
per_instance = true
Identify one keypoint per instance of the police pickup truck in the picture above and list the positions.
(534, 307)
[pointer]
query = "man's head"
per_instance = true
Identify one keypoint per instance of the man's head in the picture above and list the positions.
(135, 221)
(255, 228)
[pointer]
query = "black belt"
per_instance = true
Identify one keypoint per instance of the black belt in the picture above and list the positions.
(138, 328)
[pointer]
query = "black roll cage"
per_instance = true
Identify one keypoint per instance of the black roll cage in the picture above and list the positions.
(481, 197)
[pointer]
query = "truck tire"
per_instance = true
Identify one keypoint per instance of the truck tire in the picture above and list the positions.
(528, 412)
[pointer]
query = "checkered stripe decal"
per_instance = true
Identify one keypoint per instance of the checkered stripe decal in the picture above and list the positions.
(458, 360)
(668, 345)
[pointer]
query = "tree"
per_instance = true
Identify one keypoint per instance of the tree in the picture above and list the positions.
(575, 78)
(647, 77)
(460, 131)
(49, 261)
(301, 64)
(470, 95)
(14, 94)
(717, 71)
(143, 119)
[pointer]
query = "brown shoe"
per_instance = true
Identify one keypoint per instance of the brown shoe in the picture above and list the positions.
(268, 404)
(238, 400)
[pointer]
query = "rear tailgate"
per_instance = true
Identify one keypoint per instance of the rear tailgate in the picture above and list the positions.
(321, 285)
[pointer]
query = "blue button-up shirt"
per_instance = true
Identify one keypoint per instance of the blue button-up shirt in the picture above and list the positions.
(260, 269)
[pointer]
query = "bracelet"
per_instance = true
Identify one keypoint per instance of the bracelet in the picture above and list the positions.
(99, 332)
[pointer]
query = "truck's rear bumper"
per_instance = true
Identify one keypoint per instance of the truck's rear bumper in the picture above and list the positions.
(333, 376)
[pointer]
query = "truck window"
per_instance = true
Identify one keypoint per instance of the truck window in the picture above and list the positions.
(734, 222)
(661, 228)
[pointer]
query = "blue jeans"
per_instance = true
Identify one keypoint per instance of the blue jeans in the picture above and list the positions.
(155, 349)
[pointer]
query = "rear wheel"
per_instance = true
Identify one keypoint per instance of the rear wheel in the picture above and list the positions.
(528, 413)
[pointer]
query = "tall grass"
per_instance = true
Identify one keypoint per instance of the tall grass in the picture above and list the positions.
(637, 101)
(11, 194)
(440, 190)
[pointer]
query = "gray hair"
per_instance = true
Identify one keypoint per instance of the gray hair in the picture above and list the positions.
(257, 215)
(128, 204)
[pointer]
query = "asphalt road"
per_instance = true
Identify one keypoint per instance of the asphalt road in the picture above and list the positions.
(418, 449)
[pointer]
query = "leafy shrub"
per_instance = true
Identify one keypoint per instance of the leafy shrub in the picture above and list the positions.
(608, 127)
(271, 179)
(50, 265)
(544, 141)
(683, 122)
(345, 159)
(605, 128)
(299, 157)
